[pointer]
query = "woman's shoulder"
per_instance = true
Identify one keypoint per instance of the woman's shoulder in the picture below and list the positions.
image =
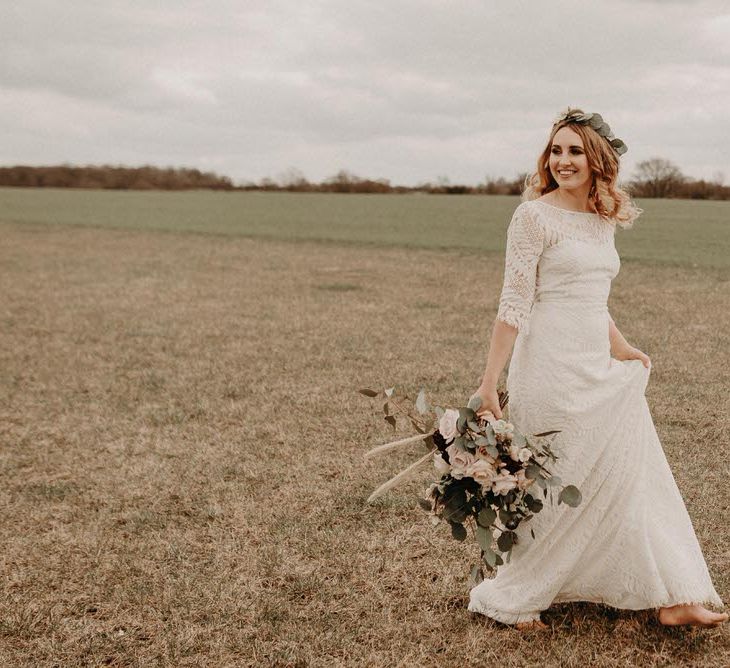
(528, 213)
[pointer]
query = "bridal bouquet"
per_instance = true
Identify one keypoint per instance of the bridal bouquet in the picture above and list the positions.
(490, 472)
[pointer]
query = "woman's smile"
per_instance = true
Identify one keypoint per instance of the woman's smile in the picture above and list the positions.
(568, 162)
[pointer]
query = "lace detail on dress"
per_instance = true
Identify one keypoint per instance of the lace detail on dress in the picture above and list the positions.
(561, 224)
(535, 227)
(525, 243)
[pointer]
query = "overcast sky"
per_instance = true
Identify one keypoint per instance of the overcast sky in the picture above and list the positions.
(405, 90)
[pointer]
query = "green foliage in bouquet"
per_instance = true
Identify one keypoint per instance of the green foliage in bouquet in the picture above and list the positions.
(487, 467)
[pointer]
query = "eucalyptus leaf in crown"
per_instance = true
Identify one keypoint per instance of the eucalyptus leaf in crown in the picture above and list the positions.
(486, 467)
(597, 123)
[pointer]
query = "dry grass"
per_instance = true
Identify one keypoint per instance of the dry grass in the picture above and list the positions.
(181, 460)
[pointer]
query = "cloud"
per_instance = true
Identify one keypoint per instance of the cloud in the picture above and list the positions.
(408, 90)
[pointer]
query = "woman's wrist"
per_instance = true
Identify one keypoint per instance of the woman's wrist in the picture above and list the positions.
(488, 382)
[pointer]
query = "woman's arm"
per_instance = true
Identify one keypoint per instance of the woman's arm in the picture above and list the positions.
(621, 349)
(500, 347)
(524, 246)
(618, 343)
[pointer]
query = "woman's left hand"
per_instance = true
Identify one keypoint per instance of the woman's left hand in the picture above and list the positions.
(632, 353)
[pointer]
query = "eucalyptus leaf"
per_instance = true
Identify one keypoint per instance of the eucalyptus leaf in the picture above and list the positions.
(369, 393)
(458, 531)
(532, 471)
(506, 516)
(505, 540)
(484, 538)
(596, 121)
(486, 516)
(475, 402)
(571, 496)
(535, 505)
(490, 557)
(467, 413)
(455, 507)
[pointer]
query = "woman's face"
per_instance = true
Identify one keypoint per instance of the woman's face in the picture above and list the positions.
(568, 162)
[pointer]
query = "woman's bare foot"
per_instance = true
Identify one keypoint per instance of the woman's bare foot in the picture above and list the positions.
(693, 615)
(531, 625)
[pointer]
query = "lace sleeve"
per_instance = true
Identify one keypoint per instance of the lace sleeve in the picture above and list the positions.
(525, 238)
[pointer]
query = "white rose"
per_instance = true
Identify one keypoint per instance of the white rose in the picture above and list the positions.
(447, 423)
(460, 459)
(441, 466)
(524, 454)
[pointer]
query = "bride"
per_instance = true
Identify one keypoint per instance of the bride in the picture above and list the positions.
(630, 544)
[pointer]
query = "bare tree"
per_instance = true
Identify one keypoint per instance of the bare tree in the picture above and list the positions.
(292, 179)
(656, 177)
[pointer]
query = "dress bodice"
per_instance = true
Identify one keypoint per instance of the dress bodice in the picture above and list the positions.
(556, 255)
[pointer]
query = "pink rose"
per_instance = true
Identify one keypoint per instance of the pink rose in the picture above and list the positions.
(460, 459)
(482, 471)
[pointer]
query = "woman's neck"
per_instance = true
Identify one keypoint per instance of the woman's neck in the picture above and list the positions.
(574, 199)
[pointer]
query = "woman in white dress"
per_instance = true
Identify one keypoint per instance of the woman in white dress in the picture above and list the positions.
(630, 543)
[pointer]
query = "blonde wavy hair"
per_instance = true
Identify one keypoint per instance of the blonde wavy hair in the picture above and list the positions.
(607, 196)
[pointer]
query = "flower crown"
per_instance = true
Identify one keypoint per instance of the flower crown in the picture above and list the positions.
(597, 123)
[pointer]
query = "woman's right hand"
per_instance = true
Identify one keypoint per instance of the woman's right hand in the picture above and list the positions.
(490, 402)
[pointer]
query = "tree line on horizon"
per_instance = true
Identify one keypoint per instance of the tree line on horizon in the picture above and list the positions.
(108, 177)
(655, 177)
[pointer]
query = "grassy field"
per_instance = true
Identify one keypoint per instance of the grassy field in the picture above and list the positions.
(679, 232)
(181, 466)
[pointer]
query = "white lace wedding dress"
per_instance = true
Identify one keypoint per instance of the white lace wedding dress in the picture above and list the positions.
(630, 543)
